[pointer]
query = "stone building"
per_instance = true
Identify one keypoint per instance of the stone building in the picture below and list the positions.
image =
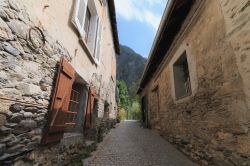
(196, 85)
(57, 78)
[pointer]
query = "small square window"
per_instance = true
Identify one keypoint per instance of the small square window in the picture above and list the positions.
(181, 77)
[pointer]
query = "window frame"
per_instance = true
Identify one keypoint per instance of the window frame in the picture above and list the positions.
(186, 79)
(186, 47)
(76, 20)
(75, 103)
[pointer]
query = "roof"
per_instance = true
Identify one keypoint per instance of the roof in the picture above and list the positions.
(172, 20)
(112, 14)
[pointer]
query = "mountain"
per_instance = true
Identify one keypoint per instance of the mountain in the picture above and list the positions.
(130, 67)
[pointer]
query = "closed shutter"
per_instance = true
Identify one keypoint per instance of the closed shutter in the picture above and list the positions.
(89, 111)
(79, 15)
(60, 103)
(98, 41)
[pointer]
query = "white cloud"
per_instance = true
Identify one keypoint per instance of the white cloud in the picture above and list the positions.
(140, 10)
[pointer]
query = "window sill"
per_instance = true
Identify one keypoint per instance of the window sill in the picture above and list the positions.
(71, 134)
(88, 52)
(183, 98)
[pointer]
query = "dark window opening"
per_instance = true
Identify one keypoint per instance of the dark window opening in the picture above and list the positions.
(181, 77)
(77, 107)
(106, 110)
(87, 24)
(95, 111)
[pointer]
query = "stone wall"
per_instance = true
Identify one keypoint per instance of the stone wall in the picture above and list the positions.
(28, 65)
(212, 125)
(236, 15)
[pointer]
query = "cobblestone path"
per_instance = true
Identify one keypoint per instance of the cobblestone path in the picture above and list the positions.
(131, 145)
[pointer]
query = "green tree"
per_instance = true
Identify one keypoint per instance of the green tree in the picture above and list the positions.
(129, 106)
(135, 108)
(124, 101)
(122, 114)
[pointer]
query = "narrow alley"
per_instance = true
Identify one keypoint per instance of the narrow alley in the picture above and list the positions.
(74, 72)
(131, 144)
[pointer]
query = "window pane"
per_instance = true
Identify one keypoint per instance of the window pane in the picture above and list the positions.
(87, 23)
(81, 13)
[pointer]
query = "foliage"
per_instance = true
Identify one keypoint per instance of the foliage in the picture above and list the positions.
(135, 111)
(122, 114)
(123, 94)
(129, 107)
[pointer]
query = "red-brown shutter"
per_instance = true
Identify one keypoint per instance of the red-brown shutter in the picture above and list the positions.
(60, 103)
(89, 111)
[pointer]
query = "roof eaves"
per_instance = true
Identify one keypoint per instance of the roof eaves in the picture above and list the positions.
(164, 19)
(112, 14)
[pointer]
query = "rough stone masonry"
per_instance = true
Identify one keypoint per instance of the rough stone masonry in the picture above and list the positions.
(212, 124)
(28, 65)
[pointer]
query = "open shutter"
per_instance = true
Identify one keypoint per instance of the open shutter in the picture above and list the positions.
(92, 33)
(79, 15)
(89, 111)
(97, 52)
(60, 103)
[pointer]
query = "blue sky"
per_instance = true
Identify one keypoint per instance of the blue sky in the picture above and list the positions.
(138, 21)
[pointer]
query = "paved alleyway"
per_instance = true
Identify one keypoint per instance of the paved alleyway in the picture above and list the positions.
(131, 145)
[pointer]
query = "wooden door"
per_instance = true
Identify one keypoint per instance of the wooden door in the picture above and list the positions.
(89, 110)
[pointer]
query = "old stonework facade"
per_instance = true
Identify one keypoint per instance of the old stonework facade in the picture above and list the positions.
(196, 86)
(57, 78)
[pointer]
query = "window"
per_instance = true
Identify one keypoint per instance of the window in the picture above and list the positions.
(88, 24)
(181, 77)
(103, 2)
(76, 109)
(59, 107)
(106, 110)
(73, 106)
(68, 106)
(81, 7)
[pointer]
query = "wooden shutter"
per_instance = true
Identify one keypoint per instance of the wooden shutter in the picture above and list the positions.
(97, 52)
(79, 15)
(60, 103)
(89, 111)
